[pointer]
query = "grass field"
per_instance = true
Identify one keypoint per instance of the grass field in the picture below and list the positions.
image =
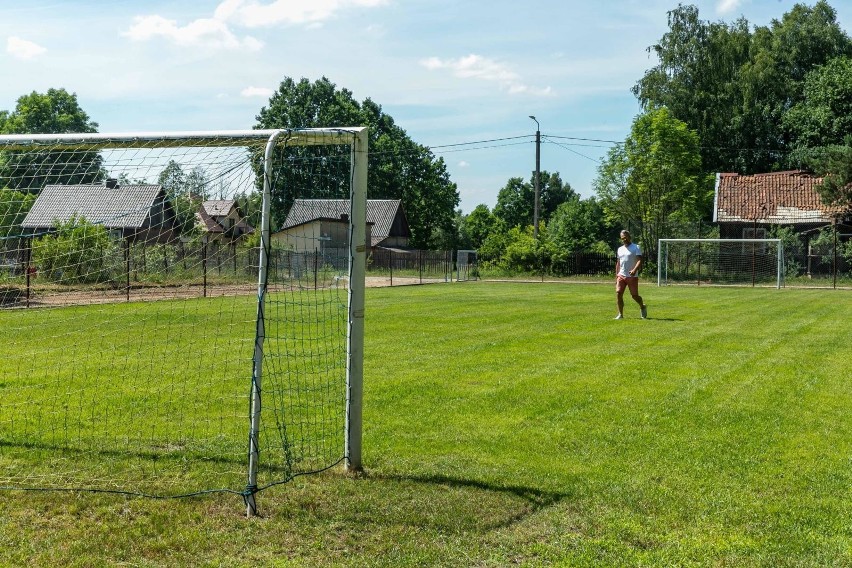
(518, 424)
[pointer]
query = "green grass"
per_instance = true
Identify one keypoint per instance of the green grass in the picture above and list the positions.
(514, 424)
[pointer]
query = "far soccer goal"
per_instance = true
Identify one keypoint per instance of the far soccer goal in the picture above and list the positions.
(719, 262)
(172, 324)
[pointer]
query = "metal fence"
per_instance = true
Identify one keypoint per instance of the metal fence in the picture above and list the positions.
(190, 269)
(398, 267)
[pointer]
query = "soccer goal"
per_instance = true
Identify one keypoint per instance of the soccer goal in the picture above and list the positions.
(735, 262)
(467, 266)
(172, 324)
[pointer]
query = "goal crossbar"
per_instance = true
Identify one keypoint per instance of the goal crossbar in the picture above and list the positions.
(295, 136)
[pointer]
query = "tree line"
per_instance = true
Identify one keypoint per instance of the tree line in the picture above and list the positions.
(723, 97)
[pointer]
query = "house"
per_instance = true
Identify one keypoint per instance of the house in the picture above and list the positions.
(323, 224)
(136, 213)
(746, 206)
(222, 221)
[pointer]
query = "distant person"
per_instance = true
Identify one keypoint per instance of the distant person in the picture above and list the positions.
(627, 268)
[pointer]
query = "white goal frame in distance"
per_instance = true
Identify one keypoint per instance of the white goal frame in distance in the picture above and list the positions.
(662, 277)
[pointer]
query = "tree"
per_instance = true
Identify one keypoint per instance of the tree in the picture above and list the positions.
(78, 251)
(14, 206)
(185, 192)
(824, 115)
(821, 124)
(579, 225)
(477, 225)
(696, 80)
(516, 201)
(653, 184)
(733, 86)
(55, 112)
(399, 168)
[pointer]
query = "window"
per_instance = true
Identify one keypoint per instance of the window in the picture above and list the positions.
(754, 233)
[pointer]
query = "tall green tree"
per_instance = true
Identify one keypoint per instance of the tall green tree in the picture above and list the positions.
(733, 85)
(185, 193)
(54, 112)
(822, 126)
(477, 225)
(579, 225)
(516, 200)
(823, 116)
(399, 168)
(653, 184)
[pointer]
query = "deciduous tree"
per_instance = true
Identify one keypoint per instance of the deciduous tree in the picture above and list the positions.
(399, 168)
(54, 112)
(653, 183)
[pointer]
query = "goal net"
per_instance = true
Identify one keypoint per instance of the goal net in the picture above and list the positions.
(737, 262)
(168, 327)
(467, 267)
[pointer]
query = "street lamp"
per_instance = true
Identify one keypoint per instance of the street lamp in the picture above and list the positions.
(537, 175)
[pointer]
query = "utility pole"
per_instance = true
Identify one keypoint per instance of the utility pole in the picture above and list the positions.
(537, 176)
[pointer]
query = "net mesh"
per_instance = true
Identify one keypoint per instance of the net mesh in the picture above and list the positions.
(128, 297)
(742, 262)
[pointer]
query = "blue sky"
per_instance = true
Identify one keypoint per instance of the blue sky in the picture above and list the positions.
(459, 76)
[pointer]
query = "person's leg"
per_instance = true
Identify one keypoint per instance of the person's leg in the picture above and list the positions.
(634, 293)
(620, 285)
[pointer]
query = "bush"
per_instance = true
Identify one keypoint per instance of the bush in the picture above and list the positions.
(77, 252)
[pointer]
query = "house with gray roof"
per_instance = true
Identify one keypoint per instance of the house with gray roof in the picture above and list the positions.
(222, 221)
(137, 213)
(323, 223)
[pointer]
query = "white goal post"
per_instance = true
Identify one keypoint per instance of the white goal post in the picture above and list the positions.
(717, 262)
(154, 290)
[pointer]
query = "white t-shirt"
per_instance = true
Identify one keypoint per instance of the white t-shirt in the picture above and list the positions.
(628, 256)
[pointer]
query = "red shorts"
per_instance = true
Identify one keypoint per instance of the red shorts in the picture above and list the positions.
(630, 282)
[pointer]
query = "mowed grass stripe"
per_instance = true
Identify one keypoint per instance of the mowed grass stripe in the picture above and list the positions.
(519, 424)
(693, 413)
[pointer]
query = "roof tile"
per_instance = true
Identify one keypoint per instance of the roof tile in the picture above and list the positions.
(782, 198)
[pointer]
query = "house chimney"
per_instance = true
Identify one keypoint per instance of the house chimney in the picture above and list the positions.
(111, 183)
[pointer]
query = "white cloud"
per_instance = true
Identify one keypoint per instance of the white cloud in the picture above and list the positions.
(727, 6)
(477, 67)
(206, 32)
(253, 14)
(256, 92)
(216, 32)
(23, 49)
(463, 164)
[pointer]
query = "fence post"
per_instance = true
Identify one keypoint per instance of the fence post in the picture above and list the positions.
(127, 266)
(834, 260)
(29, 268)
(390, 262)
(420, 263)
(204, 265)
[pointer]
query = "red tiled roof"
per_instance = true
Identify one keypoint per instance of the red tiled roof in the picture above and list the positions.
(781, 198)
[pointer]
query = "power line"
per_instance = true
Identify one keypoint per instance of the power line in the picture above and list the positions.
(583, 139)
(564, 147)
